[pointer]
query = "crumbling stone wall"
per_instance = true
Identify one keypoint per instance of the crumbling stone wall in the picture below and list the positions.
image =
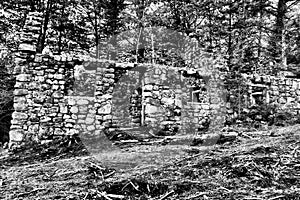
(48, 106)
(263, 97)
(65, 95)
(281, 91)
(59, 95)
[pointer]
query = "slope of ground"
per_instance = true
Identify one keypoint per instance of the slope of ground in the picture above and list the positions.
(259, 165)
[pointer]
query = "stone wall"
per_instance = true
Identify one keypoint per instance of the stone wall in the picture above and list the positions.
(58, 95)
(65, 95)
(281, 91)
(261, 99)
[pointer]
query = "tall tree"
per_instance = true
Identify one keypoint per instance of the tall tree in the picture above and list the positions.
(279, 40)
(113, 22)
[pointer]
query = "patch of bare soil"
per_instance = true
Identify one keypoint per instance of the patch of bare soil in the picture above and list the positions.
(258, 165)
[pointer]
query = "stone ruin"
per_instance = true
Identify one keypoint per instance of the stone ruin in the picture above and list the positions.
(57, 95)
(281, 92)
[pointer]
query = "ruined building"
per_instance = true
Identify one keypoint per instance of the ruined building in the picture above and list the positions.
(58, 95)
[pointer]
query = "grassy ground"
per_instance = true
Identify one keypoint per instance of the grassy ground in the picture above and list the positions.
(258, 165)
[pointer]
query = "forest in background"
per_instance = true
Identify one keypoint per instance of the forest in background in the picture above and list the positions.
(260, 36)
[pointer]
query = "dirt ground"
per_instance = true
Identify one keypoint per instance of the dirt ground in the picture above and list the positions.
(257, 165)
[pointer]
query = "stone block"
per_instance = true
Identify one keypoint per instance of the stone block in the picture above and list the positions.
(66, 116)
(149, 120)
(33, 128)
(20, 85)
(83, 102)
(20, 92)
(81, 121)
(148, 87)
(89, 120)
(69, 125)
(45, 86)
(107, 117)
(19, 115)
(40, 73)
(109, 70)
(24, 77)
(282, 100)
(57, 58)
(45, 119)
(55, 87)
(99, 117)
(55, 82)
(73, 116)
(168, 101)
(57, 119)
(205, 107)
(73, 121)
(58, 76)
(149, 109)
(290, 100)
(58, 95)
(82, 116)
(63, 58)
(83, 109)
(63, 108)
(13, 127)
(110, 76)
(20, 106)
(61, 82)
(91, 128)
(93, 110)
(16, 135)
(74, 109)
(70, 101)
(39, 78)
(106, 109)
(27, 47)
(147, 94)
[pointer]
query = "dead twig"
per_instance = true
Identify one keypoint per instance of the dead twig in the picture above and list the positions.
(97, 166)
(30, 192)
(102, 194)
(167, 195)
(115, 196)
(134, 186)
(197, 195)
(110, 196)
(109, 174)
(278, 197)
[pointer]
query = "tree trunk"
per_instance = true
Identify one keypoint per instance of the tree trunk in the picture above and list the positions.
(260, 31)
(61, 29)
(229, 47)
(141, 39)
(42, 37)
(283, 50)
(278, 40)
(96, 33)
